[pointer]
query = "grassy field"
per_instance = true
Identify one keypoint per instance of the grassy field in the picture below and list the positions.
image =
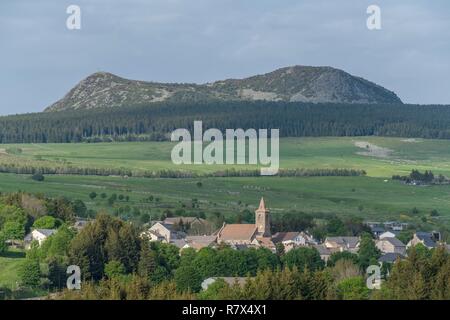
(397, 156)
(9, 263)
(9, 279)
(367, 197)
(374, 197)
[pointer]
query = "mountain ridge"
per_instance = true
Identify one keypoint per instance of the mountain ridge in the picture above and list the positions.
(292, 84)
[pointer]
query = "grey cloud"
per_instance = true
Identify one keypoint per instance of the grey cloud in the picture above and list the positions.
(206, 40)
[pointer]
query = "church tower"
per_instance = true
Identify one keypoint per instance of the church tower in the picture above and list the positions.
(262, 220)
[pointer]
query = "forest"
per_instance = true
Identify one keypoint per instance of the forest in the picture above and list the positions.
(117, 263)
(155, 122)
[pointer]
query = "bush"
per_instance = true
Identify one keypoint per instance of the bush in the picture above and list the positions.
(38, 177)
(46, 222)
(30, 272)
(353, 289)
(14, 230)
(114, 269)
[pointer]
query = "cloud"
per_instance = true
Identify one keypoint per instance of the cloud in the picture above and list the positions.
(207, 40)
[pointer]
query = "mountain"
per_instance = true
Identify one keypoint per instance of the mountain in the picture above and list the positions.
(296, 84)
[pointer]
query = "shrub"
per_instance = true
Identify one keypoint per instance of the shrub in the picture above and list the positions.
(38, 177)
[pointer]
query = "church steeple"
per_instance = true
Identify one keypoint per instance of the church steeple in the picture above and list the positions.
(262, 205)
(262, 219)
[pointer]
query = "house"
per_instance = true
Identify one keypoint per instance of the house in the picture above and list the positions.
(192, 225)
(377, 230)
(291, 240)
(184, 220)
(265, 242)
(391, 245)
(237, 234)
(324, 252)
(231, 281)
(395, 226)
(388, 234)
(390, 257)
(200, 242)
(162, 232)
(39, 235)
(339, 244)
(248, 234)
(179, 243)
(426, 238)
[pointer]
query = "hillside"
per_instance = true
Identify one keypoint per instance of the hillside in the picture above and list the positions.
(291, 84)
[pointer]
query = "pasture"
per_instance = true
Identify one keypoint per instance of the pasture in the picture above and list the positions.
(374, 197)
(379, 156)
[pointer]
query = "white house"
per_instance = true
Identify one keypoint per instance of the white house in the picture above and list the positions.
(159, 232)
(163, 232)
(39, 235)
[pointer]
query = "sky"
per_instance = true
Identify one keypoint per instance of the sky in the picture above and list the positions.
(206, 40)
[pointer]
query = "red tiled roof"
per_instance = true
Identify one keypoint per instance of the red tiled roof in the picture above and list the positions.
(237, 232)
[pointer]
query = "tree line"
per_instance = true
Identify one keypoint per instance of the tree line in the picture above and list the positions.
(36, 168)
(156, 122)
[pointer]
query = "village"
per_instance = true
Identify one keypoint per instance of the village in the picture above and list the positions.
(196, 233)
(258, 235)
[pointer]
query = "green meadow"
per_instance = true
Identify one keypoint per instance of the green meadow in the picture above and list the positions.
(374, 196)
(395, 155)
(9, 263)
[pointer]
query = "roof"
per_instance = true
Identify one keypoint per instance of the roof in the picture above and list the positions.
(350, 242)
(394, 241)
(165, 225)
(199, 242)
(174, 220)
(262, 205)
(427, 239)
(237, 232)
(384, 234)
(377, 229)
(180, 243)
(46, 232)
(203, 239)
(266, 242)
(323, 251)
(390, 257)
(284, 236)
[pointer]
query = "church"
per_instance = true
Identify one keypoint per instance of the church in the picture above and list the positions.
(257, 234)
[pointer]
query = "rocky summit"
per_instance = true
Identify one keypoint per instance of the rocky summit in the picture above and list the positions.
(296, 84)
